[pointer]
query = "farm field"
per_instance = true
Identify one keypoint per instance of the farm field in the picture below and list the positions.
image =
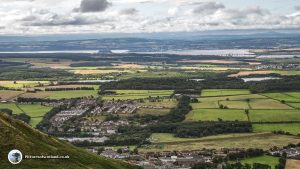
(21, 84)
(61, 94)
(216, 114)
(36, 112)
(267, 104)
(274, 115)
(269, 160)
(292, 164)
(96, 87)
(138, 94)
(168, 142)
(287, 97)
(223, 92)
(6, 95)
(293, 128)
(281, 72)
(167, 103)
(97, 71)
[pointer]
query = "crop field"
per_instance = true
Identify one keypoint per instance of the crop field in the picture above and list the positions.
(292, 164)
(293, 128)
(287, 97)
(166, 103)
(269, 160)
(216, 114)
(97, 71)
(168, 142)
(223, 92)
(6, 95)
(36, 112)
(154, 112)
(61, 94)
(267, 104)
(274, 115)
(138, 94)
(21, 84)
(96, 87)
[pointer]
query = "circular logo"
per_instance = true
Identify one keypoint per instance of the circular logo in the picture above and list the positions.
(15, 156)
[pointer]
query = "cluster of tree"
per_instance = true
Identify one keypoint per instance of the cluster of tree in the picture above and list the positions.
(282, 162)
(34, 100)
(201, 129)
(178, 113)
(245, 154)
(65, 89)
(151, 84)
(203, 165)
(45, 124)
(32, 74)
(283, 84)
(23, 117)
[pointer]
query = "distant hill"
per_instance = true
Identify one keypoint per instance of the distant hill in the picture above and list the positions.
(15, 134)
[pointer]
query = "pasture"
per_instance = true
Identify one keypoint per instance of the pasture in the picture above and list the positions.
(274, 115)
(293, 128)
(22, 84)
(168, 142)
(223, 92)
(269, 160)
(137, 94)
(216, 114)
(36, 112)
(61, 94)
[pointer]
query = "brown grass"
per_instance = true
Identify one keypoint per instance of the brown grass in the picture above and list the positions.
(9, 95)
(292, 164)
(245, 73)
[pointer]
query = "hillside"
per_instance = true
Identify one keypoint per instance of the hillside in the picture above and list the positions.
(17, 135)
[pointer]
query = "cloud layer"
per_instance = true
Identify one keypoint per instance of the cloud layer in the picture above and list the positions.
(100, 16)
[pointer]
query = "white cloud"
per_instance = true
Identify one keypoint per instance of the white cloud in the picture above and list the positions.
(99, 16)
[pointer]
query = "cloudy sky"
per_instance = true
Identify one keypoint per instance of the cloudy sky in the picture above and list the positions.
(130, 16)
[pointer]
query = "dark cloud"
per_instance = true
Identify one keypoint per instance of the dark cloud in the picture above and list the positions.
(206, 8)
(129, 11)
(93, 6)
(242, 14)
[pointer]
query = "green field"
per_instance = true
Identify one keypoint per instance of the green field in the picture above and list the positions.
(216, 114)
(36, 112)
(167, 142)
(287, 97)
(267, 104)
(62, 94)
(269, 160)
(235, 104)
(293, 128)
(137, 94)
(274, 115)
(223, 92)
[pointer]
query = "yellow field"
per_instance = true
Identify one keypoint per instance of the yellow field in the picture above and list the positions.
(93, 71)
(292, 164)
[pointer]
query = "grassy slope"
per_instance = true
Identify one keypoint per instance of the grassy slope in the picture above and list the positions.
(17, 135)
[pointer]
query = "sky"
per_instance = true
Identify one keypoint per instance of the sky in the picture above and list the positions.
(26, 17)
